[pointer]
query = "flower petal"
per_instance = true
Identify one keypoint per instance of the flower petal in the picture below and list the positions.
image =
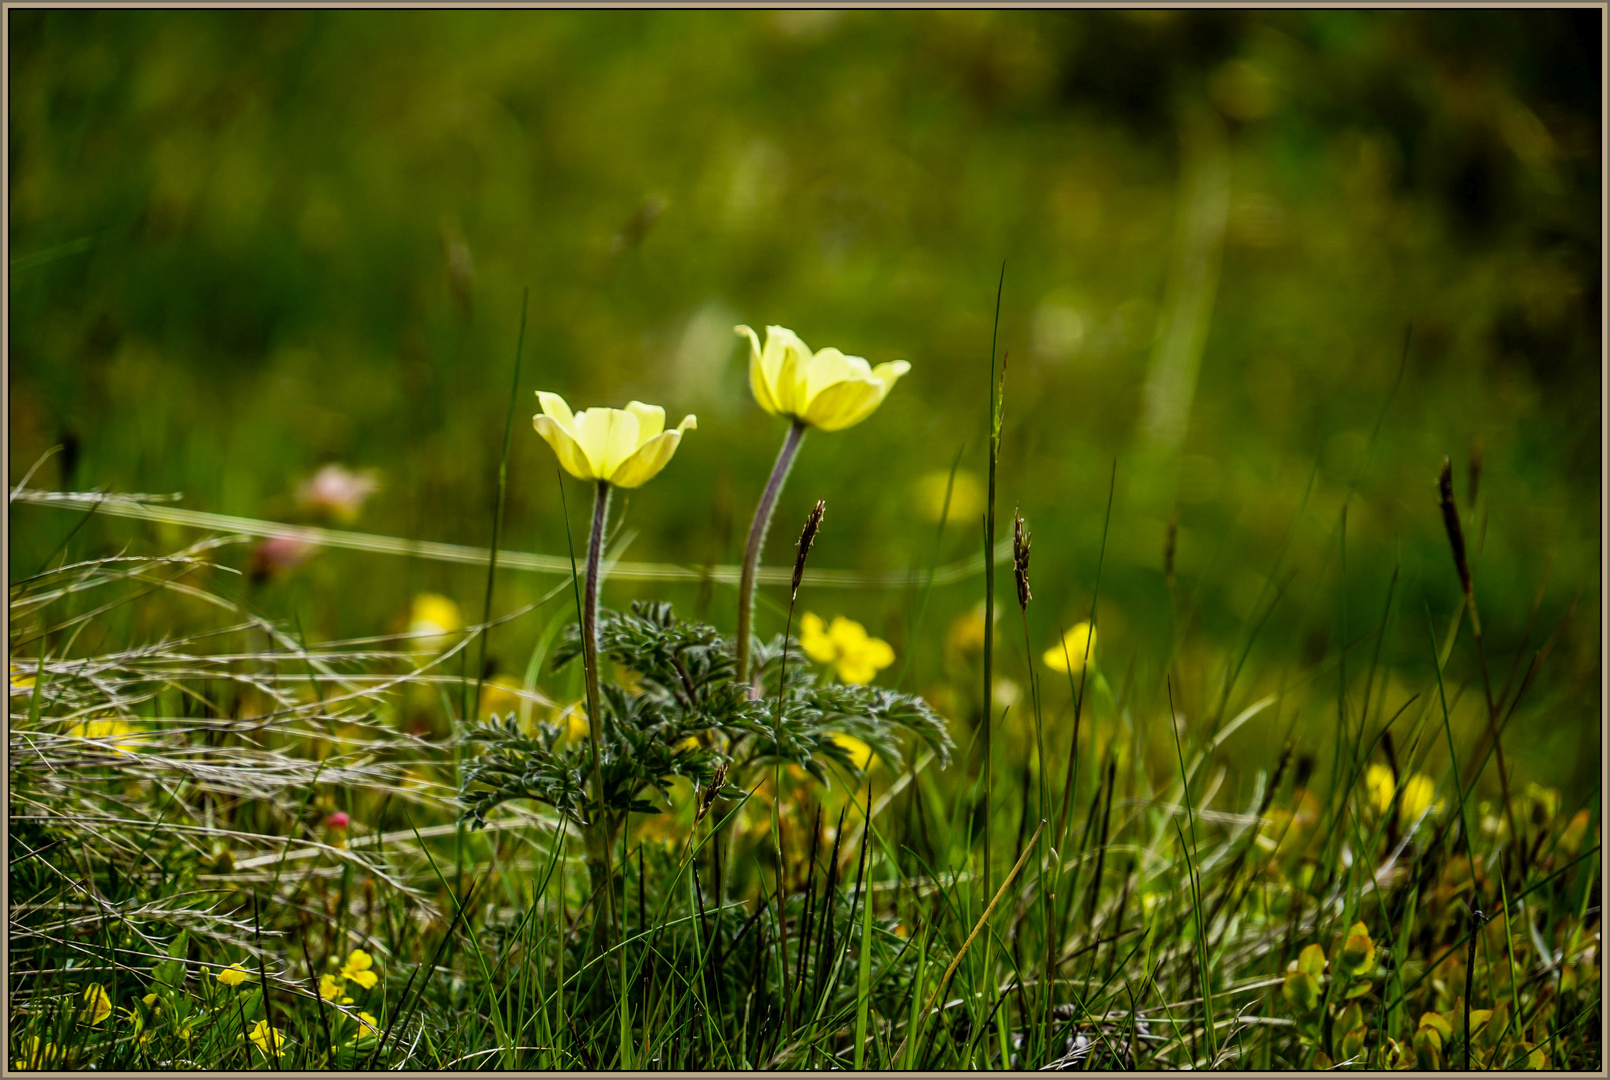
(650, 420)
(814, 639)
(844, 404)
(553, 405)
(646, 462)
(565, 447)
(759, 385)
(785, 361)
(607, 436)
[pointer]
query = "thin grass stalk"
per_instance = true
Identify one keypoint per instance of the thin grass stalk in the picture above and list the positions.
(757, 541)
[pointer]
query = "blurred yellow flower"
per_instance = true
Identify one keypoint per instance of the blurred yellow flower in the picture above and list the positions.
(500, 694)
(625, 447)
(369, 1023)
(359, 968)
(1378, 782)
(97, 1006)
(846, 645)
(966, 634)
(37, 1056)
(268, 1040)
(1417, 792)
(234, 974)
(116, 731)
(827, 389)
(860, 753)
(433, 619)
(573, 719)
(966, 496)
(21, 683)
(1071, 651)
(330, 987)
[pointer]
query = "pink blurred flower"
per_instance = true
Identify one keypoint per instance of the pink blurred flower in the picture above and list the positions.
(278, 555)
(338, 820)
(337, 491)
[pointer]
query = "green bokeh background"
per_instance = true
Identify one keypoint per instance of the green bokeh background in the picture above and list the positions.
(244, 244)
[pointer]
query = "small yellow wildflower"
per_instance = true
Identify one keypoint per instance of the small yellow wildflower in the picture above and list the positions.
(624, 447)
(1378, 782)
(268, 1040)
(359, 967)
(1417, 792)
(845, 644)
(21, 682)
(433, 619)
(97, 1006)
(37, 1056)
(370, 1025)
(860, 753)
(330, 987)
(1071, 651)
(110, 728)
(234, 974)
(499, 695)
(151, 1001)
(966, 634)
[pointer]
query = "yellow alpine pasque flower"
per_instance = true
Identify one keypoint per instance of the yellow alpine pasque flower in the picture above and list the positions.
(855, 655)
(826, 389)
(1072, 649)
(624, 447)
(359, 968)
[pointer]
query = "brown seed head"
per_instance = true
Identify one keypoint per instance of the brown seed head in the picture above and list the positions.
(1021, 538)
(718, 778)
(807, 537)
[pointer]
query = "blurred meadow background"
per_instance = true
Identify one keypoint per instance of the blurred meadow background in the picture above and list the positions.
(245, 245)
(1264, 272)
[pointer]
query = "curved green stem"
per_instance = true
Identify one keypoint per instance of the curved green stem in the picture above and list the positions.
(757, 541)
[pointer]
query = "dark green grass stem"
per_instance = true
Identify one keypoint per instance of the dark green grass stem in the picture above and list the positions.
(757, 542)
(996, 393)
(497, 514)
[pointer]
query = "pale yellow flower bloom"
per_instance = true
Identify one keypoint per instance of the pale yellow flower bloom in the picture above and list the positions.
(358, 969)
(433, 619)
(1378, 782)
(268, 1040)
(860, 753)
(1075, 642)
(97, 1006)
(330, 987)
(966, 496)
(826, 389)
(234, 974)
(369, 1024)
(37, 1056)
(116, 731)
(856, 656)
(1417, 792)
(625, 447)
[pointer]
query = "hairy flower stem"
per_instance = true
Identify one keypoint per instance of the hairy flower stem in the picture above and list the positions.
(598, 832)
(757, 541)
